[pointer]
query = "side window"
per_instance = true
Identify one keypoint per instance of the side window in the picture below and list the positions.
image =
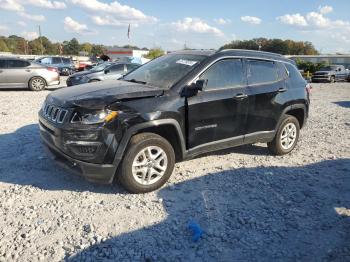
(3, 64)
(17, 63)
(131, 67)
(56, 60)
(66, 60)
(46, 61)
(224, 74)
(116, 68)
(260, 72)
(282, 71)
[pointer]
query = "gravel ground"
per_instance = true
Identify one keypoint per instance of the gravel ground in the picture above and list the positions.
(251, 206)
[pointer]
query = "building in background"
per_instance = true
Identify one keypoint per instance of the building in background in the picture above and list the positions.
(122, 54)
(330, 59)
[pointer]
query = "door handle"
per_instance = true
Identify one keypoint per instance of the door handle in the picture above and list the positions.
(27, 70)
(282, 89)
(1, 71)
(240, 96)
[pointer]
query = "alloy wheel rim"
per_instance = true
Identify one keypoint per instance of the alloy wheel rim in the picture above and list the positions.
(288, 136)
(38, 84)
(149, 165)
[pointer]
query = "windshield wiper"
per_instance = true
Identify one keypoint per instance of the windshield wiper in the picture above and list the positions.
(136, 81)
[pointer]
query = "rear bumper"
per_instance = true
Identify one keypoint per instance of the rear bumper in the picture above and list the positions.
(97, 173)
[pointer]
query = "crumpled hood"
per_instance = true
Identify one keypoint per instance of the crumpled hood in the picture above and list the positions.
(83, 73)
(100, 94)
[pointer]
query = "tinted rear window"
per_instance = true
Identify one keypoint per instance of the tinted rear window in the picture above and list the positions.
(56, 60)
(66, 60)
(17, 63)
(260, 72)
(295, 78)
(3, 64)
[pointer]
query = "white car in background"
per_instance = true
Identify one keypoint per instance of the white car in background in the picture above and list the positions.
(21, 73)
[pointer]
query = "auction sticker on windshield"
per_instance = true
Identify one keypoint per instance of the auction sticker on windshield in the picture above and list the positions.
(186, 62)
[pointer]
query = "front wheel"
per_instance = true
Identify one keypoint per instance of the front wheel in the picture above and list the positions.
(286, 137)
(37, 84)
(332, 79)
(147, 164)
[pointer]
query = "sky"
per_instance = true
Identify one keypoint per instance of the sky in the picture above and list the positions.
(173, 24)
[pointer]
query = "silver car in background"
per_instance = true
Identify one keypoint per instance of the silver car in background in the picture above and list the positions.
(20, 73)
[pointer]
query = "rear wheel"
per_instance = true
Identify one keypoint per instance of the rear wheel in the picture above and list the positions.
(286, 137)
(147, 164)
(37, 84)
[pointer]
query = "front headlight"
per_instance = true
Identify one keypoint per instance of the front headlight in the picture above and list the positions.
(103, 116)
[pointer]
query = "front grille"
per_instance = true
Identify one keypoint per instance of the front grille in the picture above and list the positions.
(54, 113)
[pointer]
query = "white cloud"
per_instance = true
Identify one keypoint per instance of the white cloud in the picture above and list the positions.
(318, 20)
(72, 26)
(37, 18)
(251, 20)
(222, 21)
(3, 28)
(294, 19)
(106, 20)
(45, 4)
(325, 9)
(196, 25)
(113, 13)
(22, 23)
(11, 5)
(29, 35)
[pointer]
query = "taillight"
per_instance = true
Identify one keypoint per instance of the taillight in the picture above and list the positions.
(308, 88)
(52, 69)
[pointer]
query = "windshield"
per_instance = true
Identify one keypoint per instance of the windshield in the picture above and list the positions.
(166, 70)
(328, 68)
(101, 66)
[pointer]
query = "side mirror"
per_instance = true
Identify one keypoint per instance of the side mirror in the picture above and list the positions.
(193, 89)
(107, 71)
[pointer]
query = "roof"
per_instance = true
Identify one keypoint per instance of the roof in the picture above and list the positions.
(237, 52)
(195, 52)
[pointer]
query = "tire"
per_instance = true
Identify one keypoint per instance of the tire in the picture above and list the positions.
(332, 79)
(141, 163)
(37, 83)
(280, 146)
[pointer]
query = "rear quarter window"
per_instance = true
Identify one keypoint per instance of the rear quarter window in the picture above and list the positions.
(294, 76)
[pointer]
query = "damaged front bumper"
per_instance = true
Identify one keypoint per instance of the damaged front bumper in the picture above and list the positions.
(101, 171)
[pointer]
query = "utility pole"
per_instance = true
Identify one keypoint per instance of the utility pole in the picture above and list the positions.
(41, 41)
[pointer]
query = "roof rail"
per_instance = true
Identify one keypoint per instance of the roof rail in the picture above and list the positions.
(251, 51)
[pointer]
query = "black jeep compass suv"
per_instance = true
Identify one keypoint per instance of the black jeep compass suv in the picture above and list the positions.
(174, 108)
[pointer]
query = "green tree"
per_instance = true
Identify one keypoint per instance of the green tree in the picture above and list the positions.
(97, 50)
(72, 47)
(154, 53)
(284, 47)
(3, 46)
(86, 47)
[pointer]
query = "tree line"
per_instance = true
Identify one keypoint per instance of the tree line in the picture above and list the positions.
(279, 46)
(42, 45)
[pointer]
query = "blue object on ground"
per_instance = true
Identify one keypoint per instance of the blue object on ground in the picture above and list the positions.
(196, 230)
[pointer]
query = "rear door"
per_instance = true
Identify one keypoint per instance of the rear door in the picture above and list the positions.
(219, 111)
(115, 71)
(341, 73)
(18, 73)
(3, 72)
(264, 85)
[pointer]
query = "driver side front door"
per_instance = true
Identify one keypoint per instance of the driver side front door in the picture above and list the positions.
(218, 113)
